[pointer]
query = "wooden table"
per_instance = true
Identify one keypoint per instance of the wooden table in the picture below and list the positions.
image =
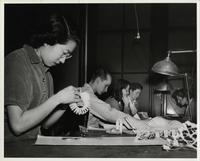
(26, 148)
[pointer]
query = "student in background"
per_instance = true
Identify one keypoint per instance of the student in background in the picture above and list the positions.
(185, 106)
(119, 95)
(135, 91)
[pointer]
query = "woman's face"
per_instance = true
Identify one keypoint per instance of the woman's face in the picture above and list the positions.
(125, 91)
(58, 53)
(135, 94)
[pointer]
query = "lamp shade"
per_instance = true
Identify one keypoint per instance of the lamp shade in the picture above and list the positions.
(166, 67)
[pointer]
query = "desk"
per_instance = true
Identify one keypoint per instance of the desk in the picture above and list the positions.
(26, 148)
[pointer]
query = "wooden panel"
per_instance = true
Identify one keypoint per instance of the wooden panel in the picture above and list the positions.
(136, 53)
(182, 15)
(109, 16)
(144, 16)
(115, 77)
(182, 39)
(109, 51)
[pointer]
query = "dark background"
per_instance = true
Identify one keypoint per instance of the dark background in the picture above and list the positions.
(111, 41)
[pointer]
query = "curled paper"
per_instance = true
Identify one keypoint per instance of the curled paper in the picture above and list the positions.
(80, 110)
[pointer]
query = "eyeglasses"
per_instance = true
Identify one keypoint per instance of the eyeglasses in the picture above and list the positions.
(68, 54)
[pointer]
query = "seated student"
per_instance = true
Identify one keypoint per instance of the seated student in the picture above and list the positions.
(135, 91)
(182, 102)
(29, 100)
(119, 95)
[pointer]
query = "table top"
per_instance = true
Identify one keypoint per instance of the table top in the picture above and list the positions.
(27, 148)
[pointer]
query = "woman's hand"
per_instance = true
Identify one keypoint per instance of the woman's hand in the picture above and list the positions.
(124, 121)
(133, 107)
(125, 100)
(68, 95)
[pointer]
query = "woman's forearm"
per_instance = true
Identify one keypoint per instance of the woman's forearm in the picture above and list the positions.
(22, 121)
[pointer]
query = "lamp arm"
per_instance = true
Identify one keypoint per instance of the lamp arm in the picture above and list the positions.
(181, 51)
(188, 95)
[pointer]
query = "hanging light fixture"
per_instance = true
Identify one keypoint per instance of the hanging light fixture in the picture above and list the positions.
(137, 23)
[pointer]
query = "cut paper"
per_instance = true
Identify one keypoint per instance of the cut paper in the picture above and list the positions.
(48, 140)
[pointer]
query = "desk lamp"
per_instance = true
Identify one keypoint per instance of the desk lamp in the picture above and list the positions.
(169, 68)
(163, 90)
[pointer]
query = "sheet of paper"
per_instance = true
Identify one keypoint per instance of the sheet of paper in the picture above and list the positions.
(48, 140)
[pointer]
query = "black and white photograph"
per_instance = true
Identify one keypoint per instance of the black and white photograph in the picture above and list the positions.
(100, 80)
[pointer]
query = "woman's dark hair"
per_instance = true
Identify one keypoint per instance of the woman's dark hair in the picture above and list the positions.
(135, 86)
(116, 88)
(181, 93)
(51, 30)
